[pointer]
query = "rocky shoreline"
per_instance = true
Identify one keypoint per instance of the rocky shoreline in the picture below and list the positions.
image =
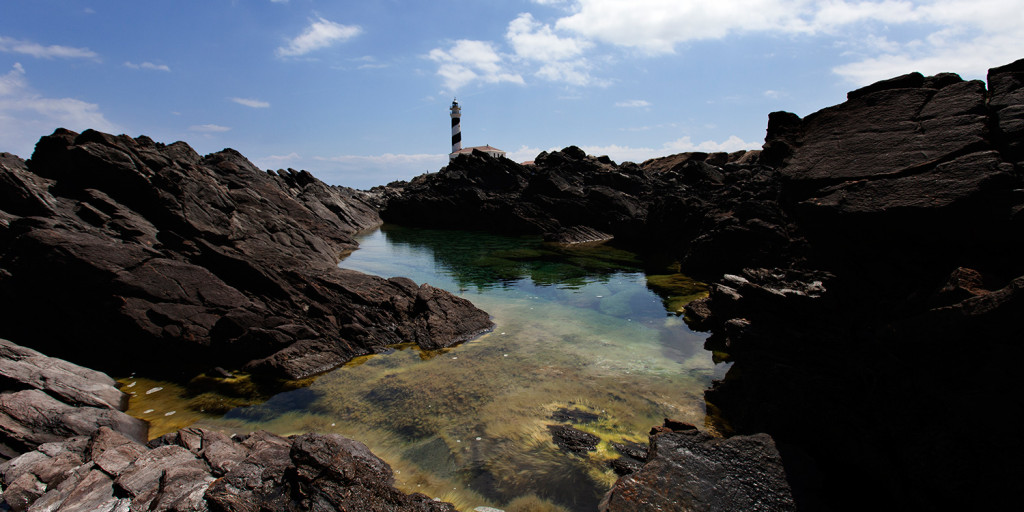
(866, 250)
(157, 258)
(869, 281)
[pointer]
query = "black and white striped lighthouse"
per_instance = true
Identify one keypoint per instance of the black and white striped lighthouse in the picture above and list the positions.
(456, 132)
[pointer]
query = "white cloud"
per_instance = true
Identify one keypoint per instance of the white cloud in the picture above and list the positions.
(560, 58)
(249, 102)
(366, 171)
(889, 37)
(733, 143)
(468, 61)
(964, 37)
(533, 40)
(682, 145)
(656, 26)
(26, 115)
(148, 65)
(208, 128)
(320, 34)
(633, 103)
(11, 45)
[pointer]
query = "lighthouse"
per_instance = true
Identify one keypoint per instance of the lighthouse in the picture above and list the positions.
(456, 131)
(457, 138)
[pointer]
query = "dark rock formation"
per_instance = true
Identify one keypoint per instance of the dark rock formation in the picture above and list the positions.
(867, 363)
(197, 470)
(714, 212)
(690, 470)
(124, 253)
(44, 400)
(873, 271)
(573, 440)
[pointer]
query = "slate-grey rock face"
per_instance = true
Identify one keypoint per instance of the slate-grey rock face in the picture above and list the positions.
(124, 253)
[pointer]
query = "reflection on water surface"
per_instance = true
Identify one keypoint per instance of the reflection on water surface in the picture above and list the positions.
(580, 339)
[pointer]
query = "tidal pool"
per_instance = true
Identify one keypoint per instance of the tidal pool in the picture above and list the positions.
(583, 337)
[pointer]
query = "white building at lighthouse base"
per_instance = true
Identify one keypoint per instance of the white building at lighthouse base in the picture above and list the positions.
(492, 151)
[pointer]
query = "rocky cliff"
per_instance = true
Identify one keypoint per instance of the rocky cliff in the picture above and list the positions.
(124, 254)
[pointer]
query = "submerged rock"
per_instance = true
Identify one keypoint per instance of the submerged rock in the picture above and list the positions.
(690, 470)
(573, 440)
(157, 258)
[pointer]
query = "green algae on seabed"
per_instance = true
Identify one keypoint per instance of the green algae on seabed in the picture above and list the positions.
(170, 406)
(576, 329)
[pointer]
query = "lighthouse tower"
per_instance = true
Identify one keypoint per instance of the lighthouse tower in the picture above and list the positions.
(457, 148)
(456, 131)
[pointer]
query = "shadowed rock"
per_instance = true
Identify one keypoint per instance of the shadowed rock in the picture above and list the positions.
(158, 258)
(689, 470)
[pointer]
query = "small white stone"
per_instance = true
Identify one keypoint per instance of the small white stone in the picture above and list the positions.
(154, 390)
(132, 385)
(479, 438)
(332, 424)
(147, 411)
(170, 413)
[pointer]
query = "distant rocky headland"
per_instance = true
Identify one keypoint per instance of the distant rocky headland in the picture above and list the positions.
(868, 279)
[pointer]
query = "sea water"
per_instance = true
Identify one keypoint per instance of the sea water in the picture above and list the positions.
(584, 336)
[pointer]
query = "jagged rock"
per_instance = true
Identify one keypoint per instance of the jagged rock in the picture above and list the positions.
(110, 472)
(577, 235)
(45, 399)
(907, 199)
(1006, 100)
(573, 440)
(22, 367)
(161, 258)
(712, 211)
(690, 470)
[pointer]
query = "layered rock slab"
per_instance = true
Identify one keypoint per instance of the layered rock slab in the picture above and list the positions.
(197, 469)
(858, 362)
(689, 470)
(45, 400)
(152, 254)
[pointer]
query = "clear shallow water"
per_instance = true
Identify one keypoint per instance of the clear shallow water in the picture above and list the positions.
(580, 339)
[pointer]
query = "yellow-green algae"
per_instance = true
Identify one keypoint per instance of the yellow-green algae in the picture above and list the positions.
(575, 330)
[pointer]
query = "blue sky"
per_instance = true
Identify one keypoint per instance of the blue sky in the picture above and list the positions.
(358, 92)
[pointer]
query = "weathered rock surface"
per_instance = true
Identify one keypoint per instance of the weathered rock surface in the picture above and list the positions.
(714, 212)
(868, 251)
(864, 362)
(124, 253)
(196, 470)
(690, 470)
(44, 400)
